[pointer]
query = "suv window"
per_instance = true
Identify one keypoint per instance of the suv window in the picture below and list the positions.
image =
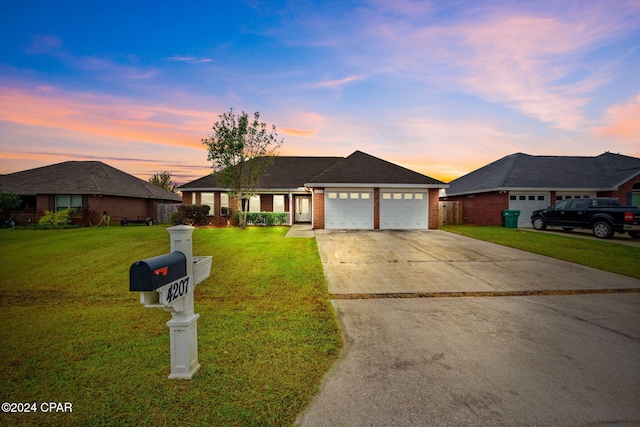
(560, 206)
(605, 202)
(579, 204)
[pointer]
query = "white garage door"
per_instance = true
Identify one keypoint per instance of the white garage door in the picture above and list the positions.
(526, 203)
(348, 209)
(573, 195)
(401, 210)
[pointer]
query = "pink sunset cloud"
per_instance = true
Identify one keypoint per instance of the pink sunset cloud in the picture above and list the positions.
(104, 116)
(623, 123)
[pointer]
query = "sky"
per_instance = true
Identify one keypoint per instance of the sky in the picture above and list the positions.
(440, 87)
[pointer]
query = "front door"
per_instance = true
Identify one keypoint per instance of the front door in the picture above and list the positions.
(303, 209)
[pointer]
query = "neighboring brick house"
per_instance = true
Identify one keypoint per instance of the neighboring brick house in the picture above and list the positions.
(357, 192)
(90, 188)
(524, 182)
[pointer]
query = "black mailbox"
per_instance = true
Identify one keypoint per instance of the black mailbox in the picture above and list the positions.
(152, 273)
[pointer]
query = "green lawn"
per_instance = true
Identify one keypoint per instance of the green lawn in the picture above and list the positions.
(600, 254)
(72, 331)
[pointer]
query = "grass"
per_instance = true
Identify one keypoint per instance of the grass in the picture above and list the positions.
(72, 331)
(600, 254)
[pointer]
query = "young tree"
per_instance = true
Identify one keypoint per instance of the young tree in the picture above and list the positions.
(163, 180)
(241, 151)
(8, 202)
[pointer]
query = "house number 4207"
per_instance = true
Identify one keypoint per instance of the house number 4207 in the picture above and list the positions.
(177, 289)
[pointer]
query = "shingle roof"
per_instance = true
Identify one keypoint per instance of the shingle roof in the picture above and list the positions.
(293, 172)
(75, 177)
(362, 168)
(518, 171)
(285, 172)
(296, 172)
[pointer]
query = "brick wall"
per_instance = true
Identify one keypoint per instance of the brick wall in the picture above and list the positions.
(434, 208)
(266, 203)
(483, 208)
(186, 197)
(94, 205)
(623, 192)
(318, 208)
(376, 208)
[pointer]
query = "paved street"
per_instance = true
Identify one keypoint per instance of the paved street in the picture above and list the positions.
(517, 360)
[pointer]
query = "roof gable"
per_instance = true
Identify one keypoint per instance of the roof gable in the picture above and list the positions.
(362, 168)
(82, 177)
(520, 170)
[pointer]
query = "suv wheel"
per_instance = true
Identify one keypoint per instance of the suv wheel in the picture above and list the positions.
(602, 230)
(539, 223)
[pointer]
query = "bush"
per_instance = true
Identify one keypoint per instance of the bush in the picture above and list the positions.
(191, 215)
(264, 218)
(62, 219)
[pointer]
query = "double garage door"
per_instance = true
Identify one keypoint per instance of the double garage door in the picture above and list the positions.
(354, 209)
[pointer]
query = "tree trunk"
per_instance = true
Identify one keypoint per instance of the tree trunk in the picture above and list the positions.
(244, 208)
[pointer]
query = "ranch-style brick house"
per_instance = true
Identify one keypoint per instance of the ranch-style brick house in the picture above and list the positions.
(526, 183)
(89, 188)
(357, 192)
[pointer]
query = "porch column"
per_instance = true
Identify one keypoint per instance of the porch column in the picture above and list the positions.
(290, 209)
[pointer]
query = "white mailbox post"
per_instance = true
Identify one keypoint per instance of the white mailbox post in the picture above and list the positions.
(168, 282)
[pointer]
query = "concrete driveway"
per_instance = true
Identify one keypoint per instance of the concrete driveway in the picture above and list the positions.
(496, 360)
(436, 261)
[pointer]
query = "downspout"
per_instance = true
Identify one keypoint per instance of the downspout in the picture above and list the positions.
(311, 207)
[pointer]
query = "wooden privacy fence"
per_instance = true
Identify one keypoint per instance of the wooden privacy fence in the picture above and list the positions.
(164, 211)
(451, 213)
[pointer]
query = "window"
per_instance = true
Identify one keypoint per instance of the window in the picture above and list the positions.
(206, 199)
(354, 195)
(635, 194)
(254, 204)
(512, 197)
(532, 197)
(397, 196)
(522, 197)
(68, 202)
(278, 203)
(333, 195)
(193, 198)
(419, 196)
(540, 197)
(408, 196)
(224, 204)
(386, 196)
(344, 195)
(364, 196)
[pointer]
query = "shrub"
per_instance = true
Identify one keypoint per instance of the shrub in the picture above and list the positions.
(62, 219)
(48, 219)
(190, 215)
(264, 218)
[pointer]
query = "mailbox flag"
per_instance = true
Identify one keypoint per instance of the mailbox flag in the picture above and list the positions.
(161, 271)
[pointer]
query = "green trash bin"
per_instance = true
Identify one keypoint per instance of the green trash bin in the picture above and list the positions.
(511, 218)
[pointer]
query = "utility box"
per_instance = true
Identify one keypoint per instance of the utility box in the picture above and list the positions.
(152, 273)
(511, 218)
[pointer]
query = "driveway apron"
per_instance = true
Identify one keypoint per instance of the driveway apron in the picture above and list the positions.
(499, 360)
